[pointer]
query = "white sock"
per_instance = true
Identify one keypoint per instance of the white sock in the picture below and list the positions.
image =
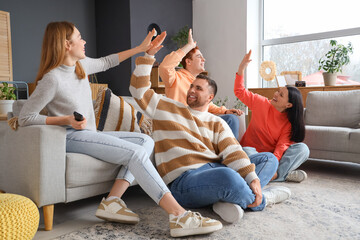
(111, 198)
(179, 216)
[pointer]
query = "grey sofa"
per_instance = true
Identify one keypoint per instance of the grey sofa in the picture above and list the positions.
(332, 121)
(34, 164)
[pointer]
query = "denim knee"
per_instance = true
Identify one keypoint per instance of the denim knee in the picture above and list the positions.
(231, 119)
(140, 155)
(230, 180)
(272, 159)
(148, 143)
(304, 149)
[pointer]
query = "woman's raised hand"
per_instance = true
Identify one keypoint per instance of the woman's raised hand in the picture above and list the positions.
(156, 44)
(146, 44)
(244, 63)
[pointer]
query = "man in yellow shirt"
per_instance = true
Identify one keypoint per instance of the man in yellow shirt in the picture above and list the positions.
(177, 82)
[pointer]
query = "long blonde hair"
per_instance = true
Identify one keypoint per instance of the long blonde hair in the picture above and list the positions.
(53, 49)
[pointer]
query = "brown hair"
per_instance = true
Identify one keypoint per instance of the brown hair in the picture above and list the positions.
(211, 82)
(188, 55)
(53, 49)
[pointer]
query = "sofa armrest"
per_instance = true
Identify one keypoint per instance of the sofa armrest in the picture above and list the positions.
(242, 125)
(33, 162)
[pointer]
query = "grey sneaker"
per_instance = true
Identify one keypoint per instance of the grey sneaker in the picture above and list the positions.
(192, 223)
(229, 212)
(276, 194)
(116, 210)
(296, 176)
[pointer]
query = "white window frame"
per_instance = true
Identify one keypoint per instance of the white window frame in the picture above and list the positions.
(299, 38)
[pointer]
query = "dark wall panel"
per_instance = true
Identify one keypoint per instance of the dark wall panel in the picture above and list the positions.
(113, 35)
(28, 21)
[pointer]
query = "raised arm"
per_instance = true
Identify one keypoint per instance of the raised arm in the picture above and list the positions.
(248, 98)
(95, 65)
(143, 47)
(167, 68)
(140, 83)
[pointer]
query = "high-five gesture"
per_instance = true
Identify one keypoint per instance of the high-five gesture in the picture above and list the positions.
(156, 44)
(191, 43)
(146, 44)
(244, 63)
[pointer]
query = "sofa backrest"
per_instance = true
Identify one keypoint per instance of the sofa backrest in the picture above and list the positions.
(333, 108)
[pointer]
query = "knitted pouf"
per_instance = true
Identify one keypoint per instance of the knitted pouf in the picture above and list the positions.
(19, 217)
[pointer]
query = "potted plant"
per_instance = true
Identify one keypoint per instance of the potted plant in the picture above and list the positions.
(334, 60)
(181, 37)
(223, 102)
(7, 98)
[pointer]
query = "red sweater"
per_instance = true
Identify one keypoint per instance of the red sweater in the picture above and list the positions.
(269, 130)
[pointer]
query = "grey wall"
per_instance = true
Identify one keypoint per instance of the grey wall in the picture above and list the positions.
(28, 20)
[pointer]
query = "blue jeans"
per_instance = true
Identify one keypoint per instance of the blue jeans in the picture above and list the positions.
(132, 150)
(233, 122)
(293, 157)
(214, 182)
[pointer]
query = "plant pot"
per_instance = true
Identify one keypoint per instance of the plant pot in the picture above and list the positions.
(6, 106)
(329, 78)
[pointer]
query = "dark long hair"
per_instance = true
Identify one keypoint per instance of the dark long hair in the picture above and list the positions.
(295, 115)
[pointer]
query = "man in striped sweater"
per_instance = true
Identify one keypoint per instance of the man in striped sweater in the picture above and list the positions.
(197, 154)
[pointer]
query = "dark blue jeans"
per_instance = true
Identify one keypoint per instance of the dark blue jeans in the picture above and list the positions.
(233, 121)
(215, 182)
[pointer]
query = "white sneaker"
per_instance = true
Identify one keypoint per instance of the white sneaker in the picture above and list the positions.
(192, 223)
(229, 212)
(115, 210)
(296, 176)
(276, 194)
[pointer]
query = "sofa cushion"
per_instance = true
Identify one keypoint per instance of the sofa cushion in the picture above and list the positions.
(327, 138)
(112, 113)
(333, 108)
(84, 170)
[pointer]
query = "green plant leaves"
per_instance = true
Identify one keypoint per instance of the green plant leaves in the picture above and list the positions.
(6, 92)
(181, 37)
(336, 58)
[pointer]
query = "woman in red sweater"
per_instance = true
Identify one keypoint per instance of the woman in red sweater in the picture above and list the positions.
(276, 126)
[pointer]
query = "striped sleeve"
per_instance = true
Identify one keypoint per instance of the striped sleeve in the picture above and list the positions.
(140, 85)
(233, 155)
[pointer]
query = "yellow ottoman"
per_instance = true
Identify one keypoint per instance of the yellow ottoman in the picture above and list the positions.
(19, 217)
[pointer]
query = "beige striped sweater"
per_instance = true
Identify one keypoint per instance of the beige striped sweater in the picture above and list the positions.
(185, 138)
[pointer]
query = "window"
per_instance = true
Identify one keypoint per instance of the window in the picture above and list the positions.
(296, 34)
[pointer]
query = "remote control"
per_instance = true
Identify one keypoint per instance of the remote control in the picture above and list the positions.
(78, 116)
